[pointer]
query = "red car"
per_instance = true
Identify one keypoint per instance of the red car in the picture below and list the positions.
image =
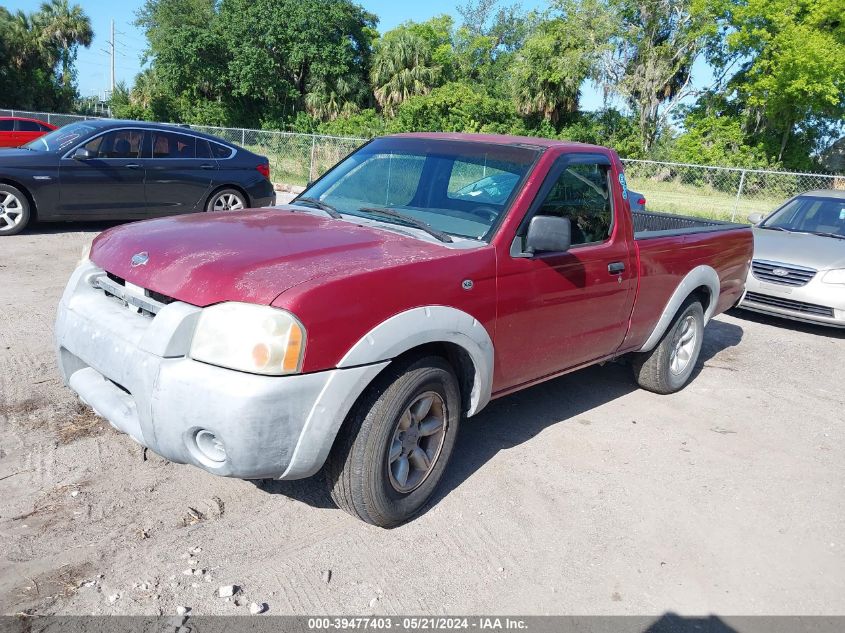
(16, 131)
(421, 277)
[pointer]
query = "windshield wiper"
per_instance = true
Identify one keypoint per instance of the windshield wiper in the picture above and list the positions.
(423, 226)
(323, 206)
(826, 234)
(776, 228)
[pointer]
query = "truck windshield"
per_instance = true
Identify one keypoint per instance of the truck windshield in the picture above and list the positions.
(459, 188)
(62, 138)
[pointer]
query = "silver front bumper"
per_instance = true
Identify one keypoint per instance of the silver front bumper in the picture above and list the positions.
(134, 370)
(814, 302)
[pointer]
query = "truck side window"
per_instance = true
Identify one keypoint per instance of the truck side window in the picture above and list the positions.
(582, 194)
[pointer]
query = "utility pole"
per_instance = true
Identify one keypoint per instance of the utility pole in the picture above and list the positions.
(112, 57)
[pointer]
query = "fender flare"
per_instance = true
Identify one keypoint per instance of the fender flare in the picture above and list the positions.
(430, 324)
(699, 276)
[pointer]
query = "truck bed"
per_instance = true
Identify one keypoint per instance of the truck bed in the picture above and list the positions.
(649, 225)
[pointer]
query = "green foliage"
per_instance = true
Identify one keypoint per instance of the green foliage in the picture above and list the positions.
(549, 69)
(714, 135)
(240, 61)
(455, 107)
(365, 124)
(655, 44)
(37, 54)
(402, 68)
(792, 76)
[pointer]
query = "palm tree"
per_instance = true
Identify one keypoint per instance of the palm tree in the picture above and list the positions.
(401, 69)
(65, 27)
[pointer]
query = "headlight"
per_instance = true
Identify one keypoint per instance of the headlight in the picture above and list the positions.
(86, 252)
(247, 337)
(834, 276)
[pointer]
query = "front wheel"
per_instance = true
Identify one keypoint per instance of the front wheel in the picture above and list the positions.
(14, 210)
(226, 200)
(668, 367)
(394, 447)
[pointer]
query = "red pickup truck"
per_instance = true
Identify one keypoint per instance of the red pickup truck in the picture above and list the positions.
(353, 329)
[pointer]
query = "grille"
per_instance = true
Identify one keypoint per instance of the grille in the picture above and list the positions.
(789, 304)
(787, 274)
(147, 304)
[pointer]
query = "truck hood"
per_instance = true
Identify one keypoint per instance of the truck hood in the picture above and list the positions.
(251, 256)
(801, 249)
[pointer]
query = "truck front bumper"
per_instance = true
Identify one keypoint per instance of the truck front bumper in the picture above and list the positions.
(134, 370)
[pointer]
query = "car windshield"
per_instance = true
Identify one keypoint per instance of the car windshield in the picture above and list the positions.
(460, 188)
(810, 214)
(62, 138)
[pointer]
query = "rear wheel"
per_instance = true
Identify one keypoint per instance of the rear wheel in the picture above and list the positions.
(226, 200)
(14, 210)
(668, 367)
(394, 447)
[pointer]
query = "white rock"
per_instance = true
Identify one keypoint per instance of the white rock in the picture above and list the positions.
(193, 562)
(199, 572)
(226, 591)
(327, 576)
(257, 607)
(74, 493)
(188, 572)
(195, 550)
(373, 602)
(114, 597)
(182, 610)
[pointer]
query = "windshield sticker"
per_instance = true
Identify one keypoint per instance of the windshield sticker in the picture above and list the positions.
(624, 186)
(842, 213)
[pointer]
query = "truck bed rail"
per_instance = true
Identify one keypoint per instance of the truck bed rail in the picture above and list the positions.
(647, 224)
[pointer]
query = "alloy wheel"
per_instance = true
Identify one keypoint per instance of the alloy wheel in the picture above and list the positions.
(417, 442)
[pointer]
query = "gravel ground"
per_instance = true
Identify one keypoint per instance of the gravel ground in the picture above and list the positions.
(583, 495)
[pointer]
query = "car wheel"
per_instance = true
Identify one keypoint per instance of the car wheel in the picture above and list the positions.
(668, 367)
(226, 200)
(14, 210)
(394, 446)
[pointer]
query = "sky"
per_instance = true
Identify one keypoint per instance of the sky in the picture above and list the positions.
(93, 64)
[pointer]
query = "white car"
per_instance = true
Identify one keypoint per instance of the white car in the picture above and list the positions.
(798, 270)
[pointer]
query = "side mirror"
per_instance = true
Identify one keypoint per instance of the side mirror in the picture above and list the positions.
(82, 154)
(755, 218)
(548, 234)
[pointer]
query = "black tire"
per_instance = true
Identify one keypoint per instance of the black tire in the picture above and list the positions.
(359, 469)
(654, 371)
(222, 199)
(15, 211)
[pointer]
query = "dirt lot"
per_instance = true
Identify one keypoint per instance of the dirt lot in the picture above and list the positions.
(583, 495)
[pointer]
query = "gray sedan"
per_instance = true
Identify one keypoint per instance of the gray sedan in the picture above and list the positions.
(798, 270)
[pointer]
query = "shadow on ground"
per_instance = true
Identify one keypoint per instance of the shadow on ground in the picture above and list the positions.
(788, 324)
(51, 228)
(509, 421)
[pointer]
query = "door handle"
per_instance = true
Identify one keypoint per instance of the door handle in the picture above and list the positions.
(206, 166)
(132, 166)
(616, 268)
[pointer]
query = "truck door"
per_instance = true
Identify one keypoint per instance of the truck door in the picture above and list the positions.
(561, 310)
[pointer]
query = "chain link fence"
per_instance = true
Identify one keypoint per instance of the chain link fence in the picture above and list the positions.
(722, 193)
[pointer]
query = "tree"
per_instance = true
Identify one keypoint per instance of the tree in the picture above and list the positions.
(32, 45)
(67, 27)
(792, 68)
(557, 57)
(654, 48)
(402, 68)
(455, 107)
(246, 61)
